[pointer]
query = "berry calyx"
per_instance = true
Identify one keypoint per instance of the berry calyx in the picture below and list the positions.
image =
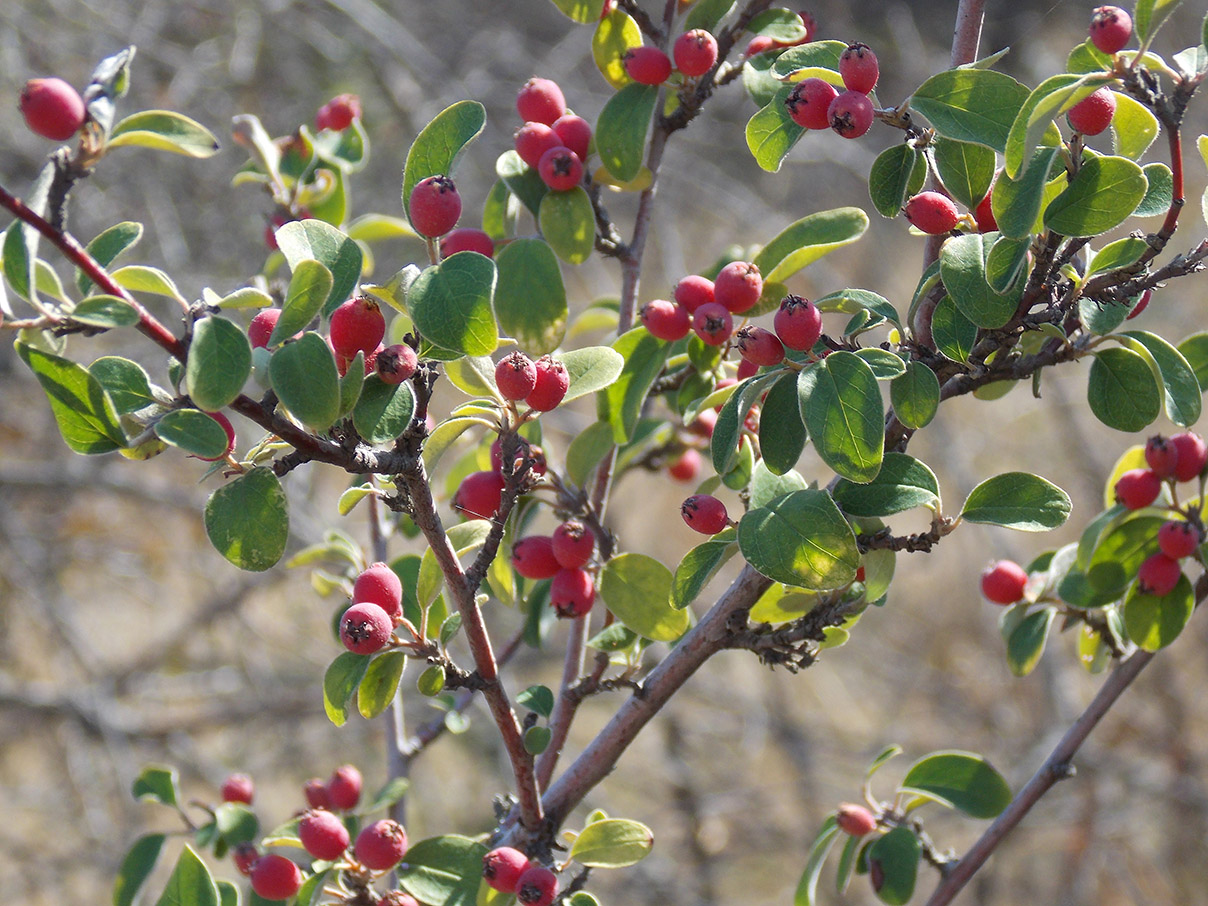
(573, 544)
(467, 239)
(759, 346)
(365, 628)
(695, 52)
(647, 65)
(381, 845)
(338, 113)
(323, 834)
(380, 585)
(552, 382)
(809, 102)
(666, 320)
(575, 133)
(1162, 456)
(435, 206)
(855, 820)
(713, 324)
(238, 788)
(344, 787)
(357, 325)
(261, 327)
(704, 513)
(316, 795)
(858, 68)
(536, 886)
(532, 140)
(533, 557)
(1158, 575)
(738, 286)
(502, 868)
(1137, 488)
(687, 466)
(52, 108)
(560, 169)
(692, 292)
(1110, 28)
(515, 376)
(1093, 113)
(1004, 582)
(1178, 539)
(1193, 455)
(275, 877)
(396, 363)
(798, 323)
(540, 101)
(932, 212)
(850, 114)
(572, 592)
(479, 495)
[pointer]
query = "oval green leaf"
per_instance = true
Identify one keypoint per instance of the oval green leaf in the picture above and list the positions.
(164, 130)
(1017, 500)
(1026, 642)
(771, 132)
(136, 868)
(1050, 98)
(971, 105)
(808, 239)
(590, 369)
(340, 682)
(105, 311)
(1183, 398)
(891, 177)
(190, 883)
(954, 334)
(961, 780)
(1152, 622)
(568, 223)
(893, 862)
(440, 143)
(612, 843)
(220, 360)
(383, 411)
(377, 688)
(300, 240)
(107, 246)
(192, 431)
(1017, 203)
(309, 288)
(1101, 197)
(530, 300)
(450, 304)
(699, 566)
(621, 130)
(616, 33)
(915, 395)
(83, 411)
(1122, 390)
(637, 589)
(841, 407)
(902, 484)
(445, 870)
(247, 520)
(963, 270)
(782, 434)
(304, 377)
(966, 169)
(621, 405)
(800, 539)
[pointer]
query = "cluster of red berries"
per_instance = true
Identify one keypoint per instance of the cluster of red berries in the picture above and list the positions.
(480, 494)
(377, 602)
(510, 871)
(817, 104)
(695, 53)
(562, 558)
(52, 108)
(553, 141)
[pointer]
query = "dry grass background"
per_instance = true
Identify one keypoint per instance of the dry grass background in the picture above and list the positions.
(125, 639)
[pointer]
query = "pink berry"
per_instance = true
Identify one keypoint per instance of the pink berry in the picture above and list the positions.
(380, 585)
(1137, 488)
(932, 212)
(344, 787)
(746, 369)
(703, 424)
(1141, 305)
(713, 324)
(798, 323)
(396, 363)
(1193, 455)
(467, 239)
(687, 467)
(738, 286)
(358, 325)
(647, 65)
(338, 113)
(381, 845)
(536, 886)
(666, 320)
(809, 103)
(52, 108)
(560, 169)
(705, 514)
(695, 52)
(533, 557)
(275, 877)
(315, 791)
(244, 856)
(573, 544)
(502, 868)
(572, 592)
(759, 44)
(238, 788)
(365, 628)
(1093, 113)
(1003, 582)
(858, 68)
(759, 346)
(515, 376)
(552, 383)
(323, 835)
(693, 291)
(435, 206)
(850, 114)
(1178, 539)
(261, 327)
(479, 495)
(1162, 456)
(855, 820)
(532, 140)
(226, 425)
(575, 133)
(540, 101)
(1158, 575)
(984, 215)
(1111, 27)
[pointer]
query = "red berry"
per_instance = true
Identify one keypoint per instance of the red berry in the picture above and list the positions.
(1178, 539)
(244, 856)
(1158, 575)
(1093, 113)
(713, 323)
(344, 787)
(666, 320)
(560, 169)
(467, 239)
(262, 326)
(693, 291)
(52, 108)
(687, 467)
(809, 103)
(572, 592)
(1003, 582)
(1111, 27)
(230, 433)
(695, 52)
(575, 133)
(798, 323)
(338, 113)
(552, 383)
(533, 557)
(705, 514)
(515, 376)
(479, 495)
(573, 544)
(381, 845)
(759, 44)
(536, 886)
(275, 877)
(932, 212)
(738, 286)
(703, 424)
(365, 628)
(380, 585)
(540, 101)
(984, 215)
(759, 346)
(502, 868)
(316, 795)
(323, 835)
(1193, 455)
(396, 363)
(1161, 455)
(850, 114)
(647, 65)
(855, 820)
(357, 326)
(1141, 305)
(532, 140)
(435, 206)
(238, 788)
(746, 369)
(1138, 488)
(858, 68)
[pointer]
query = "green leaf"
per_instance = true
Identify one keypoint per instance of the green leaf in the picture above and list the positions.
(392, 792)
(1194, 349)
(236, 823)
(1101, 197)
(106, 247)
(804, 60)
(771, 132)
(954, 334)
(1017, 203)
(580, 10)
(621, 130)
(707, 13)
(1026, 642)
(644, 356)
(530, 300)
(902, 484)
(971, 105)
(961, 780)
(1152, 15)
(142, 279)
(125, 381)
(105, 311)
(538, 699)
(637, 589)
(891, 177)
(1086, 57)
(521, 180)
(443, 870)
(192, 431)
(247, 520)
(568, 223)
(590, 369)
(1134, 128)
(301, 240)
(699, 566)
(1119, 554)
(83, 411)
(136, 868)
(766, 486)
(304, 377)
(1120, 253)
(757, 79)
(893, 861)
(164, 130)
(807, 887)
(351, 384)
(1154, 622)
(1182, 396)
(841, 407)
(1006, 262)
(966, 169)
(1101, 317)
(309, 288)
(728, 428)
(1122, 390)
(853, 301)
(384, 410)
(190, 884)
(1052, 97)
(808, 239)
(219, 363)
(963, 270)
(612, 843)
(586, 451)
(1160, 192)
(440, 143)
(915, 395)
(1017, 500)
(159, 784)
(616, 33)
(782, 25)
(450, 304)
(781, 432)
(376, 690)
(800, 539)
(340, 682)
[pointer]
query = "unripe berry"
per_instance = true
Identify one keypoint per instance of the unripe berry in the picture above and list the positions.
(365, 628)
(687, 467)
(798, 323)
(759, 346)
(479, 495)
(226, 426)
(1003, 582)
(572, 592)
(1158, 575)
(695, 52)
(705, 514)
(855, 820)
(532, 140)
(540, 101)
(316, 795)
(850, 114)
(647, 65)
(52, 108)
(344, 787)
(238, 788)
(932, 212)
(1178, 539)
(380, 585)
(693, 291)
(575, 133)
(396, 363)
(357, 325)
(323, 835)
(435, 206)
(502, 868)
(381, 845)
(1093, 113)
(713, 324)
(858, 68)
(467, 239)
(275, 877)
(1161, 455)
(552, 382)
(1138, 488)
(533, 557)
(573, 544)
(515, 376)
(1193, 455)
(666, 320)
(536, 886)
(244, 856)
(338, 113)
(560, 169)
(738, 286)
(261, 327)
(1111, 27)
(984, 215)
(809, 102)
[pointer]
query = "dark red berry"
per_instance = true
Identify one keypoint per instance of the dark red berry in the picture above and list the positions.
(572, 592)
(687, 466)
(502, 868)
(984, 215)
(1162, 456)
(467, 239)
(738, 286)
(705, 514)
(396, 363)
(244, 856)
(315, 791)
(344, 787)
(1003, 582)
(380, 585)
(533, 557)
(1178, 539)
(798, 323)
(713, 324)
(850, 114)
(809, 103)
(365, 628)
(52, 108)
(1141, 305)
(479, 495)
(666, 320)
(435, 206)
(693, 291)
(540, 101)
(1093, 113)
(858, 68)
(552, 383)
(262, 326)
(532, 140)
(560, 169)
(1158, 575)
(238, 788)
(381, 845)
(515, 376)
(1137, 488)
(759, 346)
(357, 326)
(932, 212)
(855, 820)
(1111, 27)
(573, 544)
(323, 835)
(275, 877)
(1193, 455)
(695, 52)
(338, 113)
(647, 65)
(575, 133)
(536, 886)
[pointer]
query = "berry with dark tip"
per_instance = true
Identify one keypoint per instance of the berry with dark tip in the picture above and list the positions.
(365, 628)
(695, 52)
(809, 102)
(381, 845)
(1004, 582)
(687, 467)
(798, 323)
(536, 886)
(693, 291)
(1093, 113)
(858, 68)
(855, 820)
(275, 877)
(502, 868)
(647, 65)
(479, 495)
(705, 514)
(1137, 488)
(1178, 539)
(1161, 455)
(315, 791)
(572, 592)
(357, 325)
(540, 101)
(52, 108)
(666, 320)
(467, 239)
(932, 212)
(1193, 455)
(560, 169)
(344, 787)
(553, 380)
(575, 133)
(238, 788)
(738, 286)
(759, 346)
(1158, 575)
(244, 856)
(713, 324)
(515, 376)
(573, 544)
(532, 140)
(396, 363)
(435, 206)
(1110, 29)
(850, 114)
(338, 113)
(379, 584)
(323, 835)
(533, 557)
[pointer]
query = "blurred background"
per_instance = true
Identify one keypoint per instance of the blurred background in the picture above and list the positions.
(125, 639)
